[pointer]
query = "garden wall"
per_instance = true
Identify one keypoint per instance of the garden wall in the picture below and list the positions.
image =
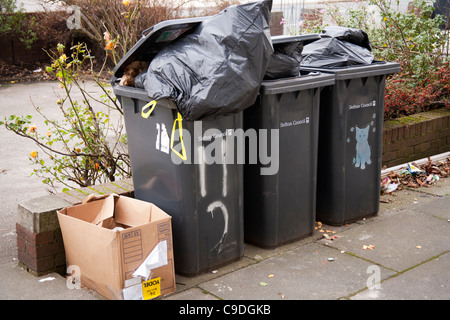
(15, 52)
(415, 137)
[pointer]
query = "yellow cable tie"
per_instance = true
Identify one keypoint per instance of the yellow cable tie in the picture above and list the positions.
(180, 128)
(151, 104)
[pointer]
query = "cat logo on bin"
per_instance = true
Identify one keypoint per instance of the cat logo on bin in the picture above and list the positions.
(362, 150)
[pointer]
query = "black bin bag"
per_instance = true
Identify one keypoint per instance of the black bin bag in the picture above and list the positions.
(219, 67)
(285, 62)
(338, 47)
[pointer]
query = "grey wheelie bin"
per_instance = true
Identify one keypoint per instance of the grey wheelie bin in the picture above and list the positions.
(350, 142)
(280, 188)
(204, 200)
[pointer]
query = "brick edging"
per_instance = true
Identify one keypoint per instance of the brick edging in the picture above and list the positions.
(415, 137)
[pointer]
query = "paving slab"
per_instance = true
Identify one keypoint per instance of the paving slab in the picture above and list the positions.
(192, 294)
(439, 208)
(400, 240)
(184, 282)
(427, 281)
(313, 271)
(18, 284)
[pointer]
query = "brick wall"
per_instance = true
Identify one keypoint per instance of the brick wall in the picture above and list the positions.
(415, 137)
(40, 247)
(40, 252)
(15, 52)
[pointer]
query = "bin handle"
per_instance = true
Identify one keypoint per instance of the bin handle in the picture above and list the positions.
(179, 119)
(151, 105)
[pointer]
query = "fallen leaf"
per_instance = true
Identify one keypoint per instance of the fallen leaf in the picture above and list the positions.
(369, 247)
(420, 182)
(412, 184)
(270, 276)
(263, 284)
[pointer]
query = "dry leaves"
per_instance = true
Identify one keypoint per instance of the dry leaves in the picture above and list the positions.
(416, 176)
(325, 232)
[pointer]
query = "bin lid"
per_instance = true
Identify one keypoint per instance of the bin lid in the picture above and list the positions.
(308, 80)
(153, 40)
(376, 68)
(306, 38)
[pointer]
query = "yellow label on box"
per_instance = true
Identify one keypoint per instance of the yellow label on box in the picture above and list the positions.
(151, 288)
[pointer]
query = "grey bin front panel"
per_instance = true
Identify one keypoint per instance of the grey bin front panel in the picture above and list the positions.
(280, 208)
(205, 201)
(350, 143)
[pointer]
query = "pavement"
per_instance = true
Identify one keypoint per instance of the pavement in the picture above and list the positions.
(403, 253)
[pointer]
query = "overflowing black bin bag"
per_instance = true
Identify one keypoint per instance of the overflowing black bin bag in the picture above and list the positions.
(285, 61)
(338, 47)
(219, 67)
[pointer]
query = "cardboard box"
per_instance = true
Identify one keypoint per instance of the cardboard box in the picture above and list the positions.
(108, 239)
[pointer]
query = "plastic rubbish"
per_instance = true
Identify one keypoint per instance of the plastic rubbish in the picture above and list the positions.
(414, 170)
(338, 47)
(219, 67)
(389, 186)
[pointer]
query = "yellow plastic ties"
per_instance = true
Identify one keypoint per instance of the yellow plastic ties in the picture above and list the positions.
(151, 105)
(179, 119)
